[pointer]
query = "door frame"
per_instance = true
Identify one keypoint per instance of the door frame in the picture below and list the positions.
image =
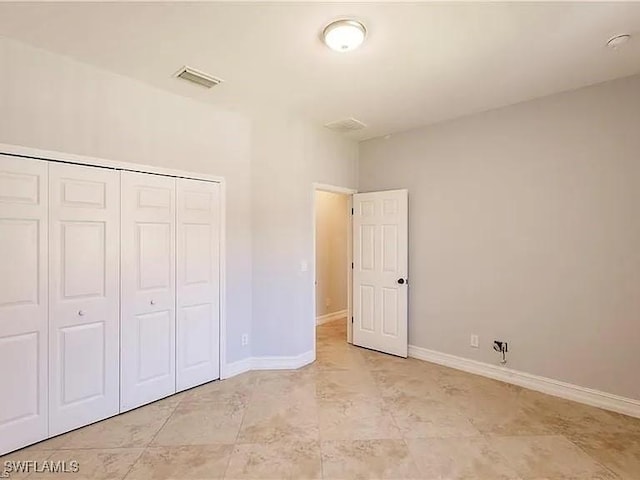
(55, 156)
(324, 187)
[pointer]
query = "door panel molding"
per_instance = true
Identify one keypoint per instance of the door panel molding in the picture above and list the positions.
(84, 295)
(148, 242)
(198, 283)
(380, 242)
(23, 191)
(24, 325)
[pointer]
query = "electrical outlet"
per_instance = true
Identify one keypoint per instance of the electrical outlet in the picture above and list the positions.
(327, 302)
(474, 341)
(245, 339)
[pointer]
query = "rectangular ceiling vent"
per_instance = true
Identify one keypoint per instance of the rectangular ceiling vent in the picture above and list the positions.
(346, 125)
(198, 77)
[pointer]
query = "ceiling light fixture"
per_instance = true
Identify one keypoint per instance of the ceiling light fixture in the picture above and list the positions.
(618, 40)
(344, 35)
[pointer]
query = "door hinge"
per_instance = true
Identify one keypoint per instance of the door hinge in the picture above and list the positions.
(351, 265)
(352, 211)
(351, 319)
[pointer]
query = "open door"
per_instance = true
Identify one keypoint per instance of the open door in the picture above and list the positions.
(380, 264)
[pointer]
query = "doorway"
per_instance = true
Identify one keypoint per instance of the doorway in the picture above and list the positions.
(332, 260)
(375, 225)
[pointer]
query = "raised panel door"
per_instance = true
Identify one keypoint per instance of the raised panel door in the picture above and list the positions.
(23, 302)
(380, 242)
(198, 283)
(84, 291)
(148, 341)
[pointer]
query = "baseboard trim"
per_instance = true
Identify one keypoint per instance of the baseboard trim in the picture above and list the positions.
(329, 317)
(595, 398)
(283, 363)
(235, 368)
(268, 363)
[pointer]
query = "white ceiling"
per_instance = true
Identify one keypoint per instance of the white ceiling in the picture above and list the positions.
(421, 63)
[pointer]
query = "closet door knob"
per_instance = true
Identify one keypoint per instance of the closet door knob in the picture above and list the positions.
(401, 281)
(81, 313)
(152, 302)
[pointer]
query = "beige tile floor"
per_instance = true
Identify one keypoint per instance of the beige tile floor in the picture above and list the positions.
(353, 414)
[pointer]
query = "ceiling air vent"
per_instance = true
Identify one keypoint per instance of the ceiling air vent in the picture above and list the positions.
(195, 76)
(346, 125)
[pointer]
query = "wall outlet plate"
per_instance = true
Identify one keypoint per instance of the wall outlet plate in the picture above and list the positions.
(474, 342)
(245, 339)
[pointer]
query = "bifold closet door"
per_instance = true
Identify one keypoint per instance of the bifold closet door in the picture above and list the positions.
(198, 283)
(84, 290)
(23, 302)
(147, 366)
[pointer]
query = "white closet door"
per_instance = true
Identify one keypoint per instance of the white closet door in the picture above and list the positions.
(198, 283)
(148, 289)
(84, 289)
(23, 302)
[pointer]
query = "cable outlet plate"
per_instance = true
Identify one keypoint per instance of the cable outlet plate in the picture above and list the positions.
(500, 346)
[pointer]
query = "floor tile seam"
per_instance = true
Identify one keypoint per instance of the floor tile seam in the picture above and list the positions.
(133, 464)
(416, 463)
(598, 462)
(244, 414)
(538, 436)
(128, 447)
(164, 424)
(395, 423)
(508, 461)
(231, 453)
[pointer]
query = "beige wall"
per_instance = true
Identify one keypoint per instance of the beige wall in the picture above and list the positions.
(270, 161)
(289, 157)
(525, 227)
(52, 102)
(332, 224)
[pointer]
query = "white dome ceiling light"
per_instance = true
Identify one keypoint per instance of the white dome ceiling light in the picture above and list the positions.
(344, 35)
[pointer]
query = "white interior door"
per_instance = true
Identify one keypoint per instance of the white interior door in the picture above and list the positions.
(380, 244)
(198, 283)
(148, 343)
(23, 302)
(84, 291)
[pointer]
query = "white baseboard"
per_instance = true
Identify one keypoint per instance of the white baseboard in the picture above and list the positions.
(282, 363)
(329, 317)
(235, 368)
(268, 363)
(595, 398)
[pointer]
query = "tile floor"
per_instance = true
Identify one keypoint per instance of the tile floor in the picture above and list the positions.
(353, 414)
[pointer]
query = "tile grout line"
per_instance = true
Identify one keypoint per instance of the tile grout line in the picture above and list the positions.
(146, 447)
(244, 413)
(164, 424)
(606, 467)
(133, 464)
(507, 460)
